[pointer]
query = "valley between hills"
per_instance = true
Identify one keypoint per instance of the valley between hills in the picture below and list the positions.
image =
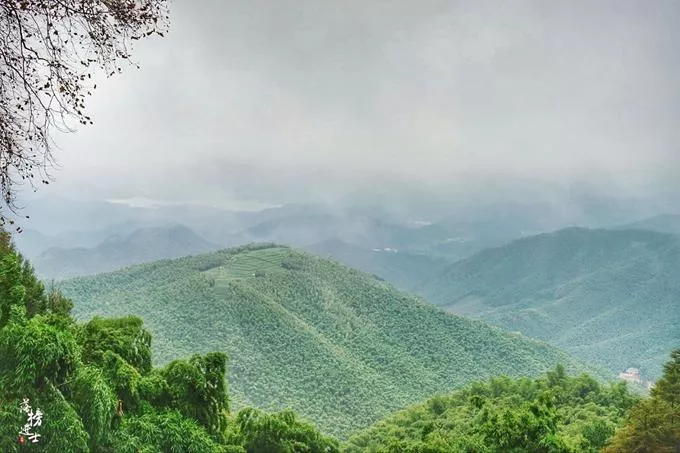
(353, 337)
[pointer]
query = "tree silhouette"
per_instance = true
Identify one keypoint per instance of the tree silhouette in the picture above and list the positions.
(49, 52)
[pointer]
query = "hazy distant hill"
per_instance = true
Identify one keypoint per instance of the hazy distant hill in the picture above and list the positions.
(295, 230)
(355, 225)
(448, 230)
(403, 269)
(350, 235)
(610, 297)
(54, 216)
(471, 229)
(142, 245)
(32, 242)
(339, 346)
(664, 223)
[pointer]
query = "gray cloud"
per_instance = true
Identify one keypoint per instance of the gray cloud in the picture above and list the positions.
(287, 99)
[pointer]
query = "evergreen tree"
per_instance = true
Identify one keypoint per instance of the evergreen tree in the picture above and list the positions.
(668, 387)
(654, 424)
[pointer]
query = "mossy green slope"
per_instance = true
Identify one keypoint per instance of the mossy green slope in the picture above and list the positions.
(341, 347)
(611, 298)
(553, 413)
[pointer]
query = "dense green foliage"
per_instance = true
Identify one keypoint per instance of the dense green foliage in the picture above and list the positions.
(140, 246)
(654, 424)
(340, 347)
(553, 413)
(97, 389)
(608, 297)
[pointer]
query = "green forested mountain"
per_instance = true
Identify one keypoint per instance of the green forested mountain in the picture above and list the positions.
(554, 413)
(608, 297)
(69, 387)
(141, 245)
(341, 347)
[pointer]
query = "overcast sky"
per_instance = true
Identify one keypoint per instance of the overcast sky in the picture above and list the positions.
(280, 99)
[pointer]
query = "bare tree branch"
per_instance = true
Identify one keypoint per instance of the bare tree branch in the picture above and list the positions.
(49, 52)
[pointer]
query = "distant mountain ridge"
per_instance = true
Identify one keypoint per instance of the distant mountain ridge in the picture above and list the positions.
(32, 242)
(608, 297)
(663, 223)
(141, 245)
(341, 347)
(403, 269)
(427, 235)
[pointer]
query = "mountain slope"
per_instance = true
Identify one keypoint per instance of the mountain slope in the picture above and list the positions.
(608, 297)
(142, 245)
(554, 413)
(339, 346)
